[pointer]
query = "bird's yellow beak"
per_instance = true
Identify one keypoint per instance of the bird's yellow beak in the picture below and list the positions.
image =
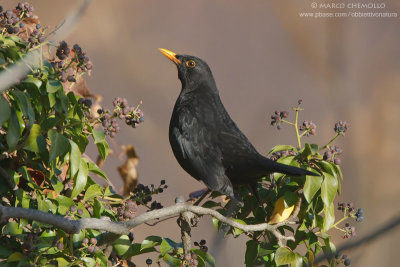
(171, 55)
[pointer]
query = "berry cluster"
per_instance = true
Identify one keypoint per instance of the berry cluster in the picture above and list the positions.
(277, 117)
(69, 64)
(63, 50)
(74, 210)
(8, 21)
(91, 248)
(357, 214)
(202, 245)
(25, 10)
(122, 110)
(85, 102)
(30, 240)
(143, 194)
(278, 154)
(126, 211)
(308, 127)
(346, 207)
(341, 127)
(36, 36)
(349, 231)
(332, 154)
(342, 259)
(57, 243)
(132, 115)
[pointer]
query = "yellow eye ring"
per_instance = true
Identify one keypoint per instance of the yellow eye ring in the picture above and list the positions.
(190, 63)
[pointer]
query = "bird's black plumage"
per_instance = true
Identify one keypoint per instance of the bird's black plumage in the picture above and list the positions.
(206, 141)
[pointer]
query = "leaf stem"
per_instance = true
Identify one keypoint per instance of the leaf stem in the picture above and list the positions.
(297, 128)
(330, 142)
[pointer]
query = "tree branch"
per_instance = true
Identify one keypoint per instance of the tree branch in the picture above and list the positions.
(122, 228)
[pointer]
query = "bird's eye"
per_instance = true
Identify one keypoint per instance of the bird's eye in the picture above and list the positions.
(190, 64)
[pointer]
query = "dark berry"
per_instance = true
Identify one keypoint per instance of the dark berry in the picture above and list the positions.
(80, 212)
(73, 208)
(85, 241)
(162, 182)
(38, 26)
(347, 262)
(149, 261)
(337, 161)
(90, 249)
(10, 30)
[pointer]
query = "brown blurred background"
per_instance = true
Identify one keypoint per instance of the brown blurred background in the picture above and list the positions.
(264, 57)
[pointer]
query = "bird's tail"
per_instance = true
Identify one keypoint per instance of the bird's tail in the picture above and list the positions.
(287, 169)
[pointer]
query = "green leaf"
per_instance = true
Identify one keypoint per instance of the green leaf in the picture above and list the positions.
(35, 141)
(328, 189)
(25, 105)
(251, 253)
(5, 110)
(280, 148)
(59, 144)
(211, 204)
(81, 179)
(89, 261)
(12, 228)
(135, 249)
(4, 252)
(236, 231)
(95, 169)
(311, 186)
(13, 131)
(329, 248)
(150, 242)
(121, 245)
(314, 148)
(62, 262)
(171, 261)
(64, 204)
(165, 247)
(53, 86)
(31, 82)
(329, 217)
(205, 256)
(285, 256)
(290, 199)
(75, 157)
(101, 143)
(93, 191)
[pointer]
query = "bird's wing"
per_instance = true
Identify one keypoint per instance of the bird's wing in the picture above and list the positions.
(201, 154)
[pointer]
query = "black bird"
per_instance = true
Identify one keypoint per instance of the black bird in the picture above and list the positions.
(206, 141)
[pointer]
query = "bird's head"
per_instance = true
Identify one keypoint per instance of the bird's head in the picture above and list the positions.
(192, 71)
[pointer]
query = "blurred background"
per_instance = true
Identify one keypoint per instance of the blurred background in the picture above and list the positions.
(264, 57)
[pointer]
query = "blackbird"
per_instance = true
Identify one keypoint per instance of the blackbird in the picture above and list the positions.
(206, 141)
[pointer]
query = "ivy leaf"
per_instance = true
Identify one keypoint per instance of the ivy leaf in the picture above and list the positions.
(101, 143)
(81, 179)
(35, 141)
(59, 144)
(165, 246)
(150, 242)
(311, 186)
(290, 198)
(286, 256)
(93, 191)
(53, 86)
(171, 261)
(135, 249)
(64, 204)
(329, 217)
(5, 110)
(205, 256)
(75, 157)
(328, 189)
(25, 105)
(236, 231)
(121, 245)
(13, 131)
(12, 228)
(95, 169)
(251, 253)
